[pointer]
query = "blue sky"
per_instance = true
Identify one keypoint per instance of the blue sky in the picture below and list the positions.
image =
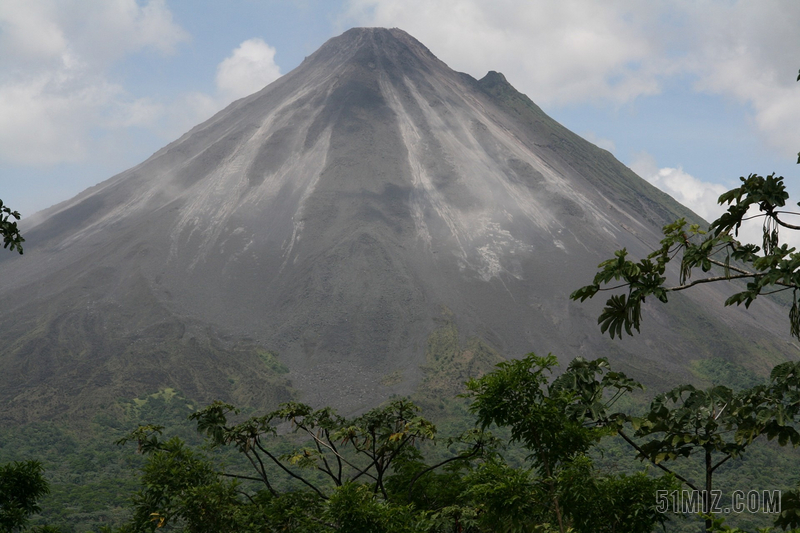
(690, 94)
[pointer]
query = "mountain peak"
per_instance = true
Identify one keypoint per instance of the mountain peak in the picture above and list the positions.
(374, 36)
(493, 78)
(370, 43)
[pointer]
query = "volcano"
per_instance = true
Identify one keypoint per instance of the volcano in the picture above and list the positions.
(310, 240)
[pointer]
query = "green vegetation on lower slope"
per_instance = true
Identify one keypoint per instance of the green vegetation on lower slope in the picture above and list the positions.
(767, 466)
(450, 363)
(79, 337)
(93, 480)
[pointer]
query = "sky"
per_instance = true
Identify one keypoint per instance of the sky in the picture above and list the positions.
(691, 94)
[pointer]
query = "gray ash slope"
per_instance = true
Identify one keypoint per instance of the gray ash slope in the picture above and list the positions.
(331, 219)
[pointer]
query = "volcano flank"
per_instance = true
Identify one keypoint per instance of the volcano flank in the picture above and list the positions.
(311, 239)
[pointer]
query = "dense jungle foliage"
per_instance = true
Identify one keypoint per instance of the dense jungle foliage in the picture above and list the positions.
(528, 462)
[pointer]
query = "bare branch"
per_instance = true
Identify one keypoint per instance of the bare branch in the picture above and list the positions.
(238, 476)
(785, 224)
(262, 471)
(708, 280)
(281, 465)
(339, 457)
(659, 465)
(613, 288)
(721, 462)
(731, 267)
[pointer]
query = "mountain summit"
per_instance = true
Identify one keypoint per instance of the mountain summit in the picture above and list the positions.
(311, 238)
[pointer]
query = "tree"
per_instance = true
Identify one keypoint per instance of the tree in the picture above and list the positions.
(369, 474)
(769, 268)
(9, 230)
(559, 422)
(341, 450)
(182, 489)
(349, 475)
(717, 423)
(22, 484)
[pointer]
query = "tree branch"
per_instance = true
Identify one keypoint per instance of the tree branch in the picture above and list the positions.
(721, 463)
(332, 446)
(327, 470)
(730, 267)
(708, 280)
(261, 471)
(333, 449)
(613, 288)
(238, 476)
(300, 478)
(434, 467)
(243, 493)
(659, 465)
(785, 224)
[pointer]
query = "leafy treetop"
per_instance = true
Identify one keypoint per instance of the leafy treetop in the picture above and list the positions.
(9, 230)
(769, 268)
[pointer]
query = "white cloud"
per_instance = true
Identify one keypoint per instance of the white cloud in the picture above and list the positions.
(557, 52)
(97, 31)
(576, 51)
(29, 31)
(699, 196)
(750, 51)
(250, 68)
(34, 130)
(54, 90)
